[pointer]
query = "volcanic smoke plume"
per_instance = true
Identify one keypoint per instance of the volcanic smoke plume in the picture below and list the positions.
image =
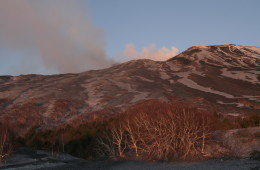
(57, 33)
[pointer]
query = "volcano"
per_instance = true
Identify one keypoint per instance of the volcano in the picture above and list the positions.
(220, 78)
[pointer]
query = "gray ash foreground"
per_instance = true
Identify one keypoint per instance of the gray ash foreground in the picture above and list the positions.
(26, 160)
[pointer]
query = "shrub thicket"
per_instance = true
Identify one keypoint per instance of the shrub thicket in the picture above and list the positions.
(151, 130)
(158, 131)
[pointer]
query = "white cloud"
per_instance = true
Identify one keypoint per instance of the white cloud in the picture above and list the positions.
(149, 52)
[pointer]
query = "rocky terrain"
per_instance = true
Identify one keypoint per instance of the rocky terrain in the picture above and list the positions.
(223, 79)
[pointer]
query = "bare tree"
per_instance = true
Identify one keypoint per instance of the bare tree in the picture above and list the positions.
(105, 145)
(162, 133)
(119, 139)
(6, 146)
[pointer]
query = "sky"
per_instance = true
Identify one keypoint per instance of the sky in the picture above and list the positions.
(62, 36)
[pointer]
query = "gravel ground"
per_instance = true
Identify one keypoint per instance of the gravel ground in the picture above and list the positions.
(244, 164)
(26, 159)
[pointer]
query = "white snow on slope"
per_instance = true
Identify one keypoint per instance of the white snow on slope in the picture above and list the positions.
(144, 79)
(92, 87)
(140, 96)
(257, 49)
(129, 88)
(191, 84)
(249, 76)
(252, 98)
(232, 103)
(164, 75)
(230, 58)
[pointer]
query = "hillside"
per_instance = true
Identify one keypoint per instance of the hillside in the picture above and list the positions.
(223, 79)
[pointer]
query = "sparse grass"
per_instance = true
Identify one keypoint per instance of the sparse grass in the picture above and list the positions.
(223, 122)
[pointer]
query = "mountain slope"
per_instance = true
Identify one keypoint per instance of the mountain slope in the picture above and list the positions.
(222, 78)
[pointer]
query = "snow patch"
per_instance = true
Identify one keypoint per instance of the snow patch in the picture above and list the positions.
(94, 92)
(248, 76)
(173, 66)
(232, 103)
(139, 97)
(234, 114)
(164, 75)
(172, 81)
(257, 49)
(223, 58)
(191, 84)
(252, 98)
(122, 85)
(145, 79)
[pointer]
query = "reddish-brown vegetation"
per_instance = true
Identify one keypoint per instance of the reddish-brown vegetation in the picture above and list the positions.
(6, 146)
(153, 130)
(158, 130)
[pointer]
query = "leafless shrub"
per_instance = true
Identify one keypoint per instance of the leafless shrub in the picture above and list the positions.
(105, 145)
(166, 132)
(6, 146)
(113, 141)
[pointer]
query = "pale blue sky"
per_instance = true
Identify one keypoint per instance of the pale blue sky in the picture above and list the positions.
(117, 23)
(179, 23)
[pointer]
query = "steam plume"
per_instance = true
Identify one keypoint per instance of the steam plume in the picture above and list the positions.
(149, 52)
(59, 32)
